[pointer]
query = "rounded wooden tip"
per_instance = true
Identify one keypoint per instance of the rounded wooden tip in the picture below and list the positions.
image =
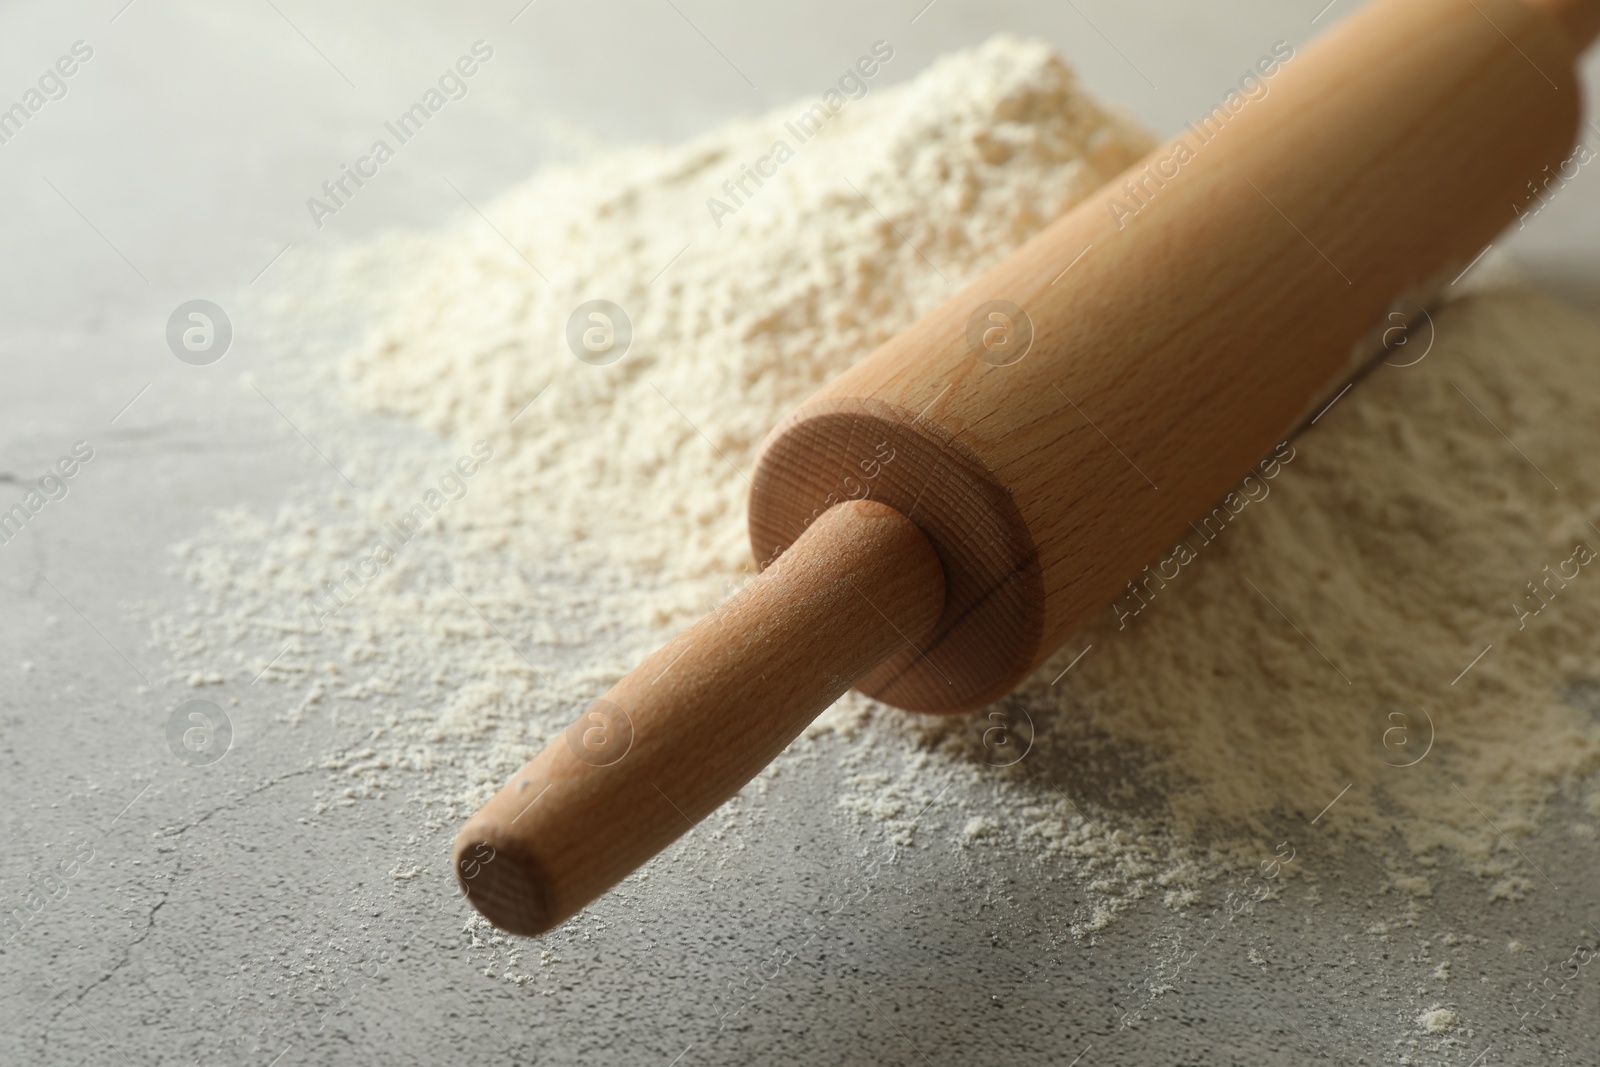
(502, 881)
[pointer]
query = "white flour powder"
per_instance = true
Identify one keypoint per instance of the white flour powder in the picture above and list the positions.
(1221, 721)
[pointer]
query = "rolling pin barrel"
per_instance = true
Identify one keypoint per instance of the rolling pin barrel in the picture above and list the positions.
(946, 512)
(1166, 333)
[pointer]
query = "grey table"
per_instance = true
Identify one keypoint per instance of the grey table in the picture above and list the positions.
(176, 167)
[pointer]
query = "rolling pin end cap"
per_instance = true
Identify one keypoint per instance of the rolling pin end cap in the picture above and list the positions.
(505, 884)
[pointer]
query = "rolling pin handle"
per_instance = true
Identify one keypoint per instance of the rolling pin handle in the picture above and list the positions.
(694, 722)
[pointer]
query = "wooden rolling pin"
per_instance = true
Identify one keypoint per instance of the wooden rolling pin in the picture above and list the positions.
(937, 520)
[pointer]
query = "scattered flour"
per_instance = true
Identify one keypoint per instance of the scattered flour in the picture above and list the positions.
(611, 513)
(1437, 1020)
(979, 827)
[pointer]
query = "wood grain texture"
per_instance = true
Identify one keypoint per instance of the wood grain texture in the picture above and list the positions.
(698, 719)
(1204, 317)
(1581, 18)
(993, 594)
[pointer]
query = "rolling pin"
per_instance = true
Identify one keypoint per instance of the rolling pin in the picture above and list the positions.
(936, 521)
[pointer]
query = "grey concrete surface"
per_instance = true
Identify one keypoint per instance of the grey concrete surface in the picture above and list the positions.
(178, 899)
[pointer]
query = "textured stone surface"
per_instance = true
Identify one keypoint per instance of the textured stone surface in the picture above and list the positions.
(221, 919)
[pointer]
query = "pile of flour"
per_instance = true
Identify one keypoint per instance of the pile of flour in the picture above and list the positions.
(611, 513)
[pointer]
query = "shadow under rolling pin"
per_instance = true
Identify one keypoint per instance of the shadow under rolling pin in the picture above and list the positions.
(940, 520)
